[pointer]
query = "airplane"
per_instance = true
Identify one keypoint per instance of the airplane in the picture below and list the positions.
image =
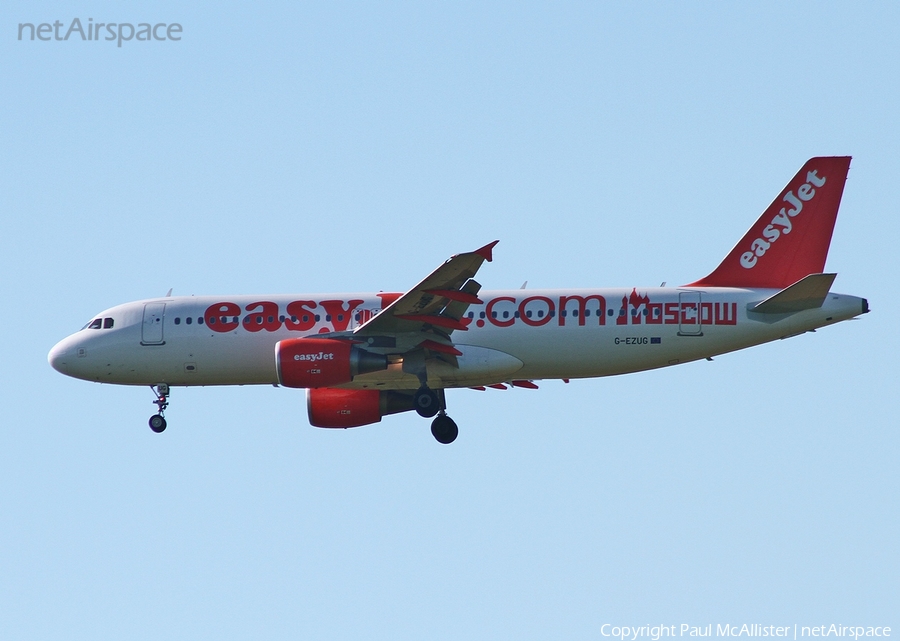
(363, 356)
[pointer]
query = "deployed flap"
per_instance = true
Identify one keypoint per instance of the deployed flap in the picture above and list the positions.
(807, 293)
(437, 302)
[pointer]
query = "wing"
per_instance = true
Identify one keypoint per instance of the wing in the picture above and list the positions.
(436, 304)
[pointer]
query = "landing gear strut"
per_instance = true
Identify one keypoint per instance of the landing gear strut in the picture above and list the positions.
(158, 421)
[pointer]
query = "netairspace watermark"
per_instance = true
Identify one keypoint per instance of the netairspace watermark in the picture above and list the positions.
(657, 632)
(114, 31)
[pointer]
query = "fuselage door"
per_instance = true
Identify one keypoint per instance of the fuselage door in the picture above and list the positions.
(152, 328)
(689, 314)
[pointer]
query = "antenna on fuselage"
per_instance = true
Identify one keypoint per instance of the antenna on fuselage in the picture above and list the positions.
(169, 293)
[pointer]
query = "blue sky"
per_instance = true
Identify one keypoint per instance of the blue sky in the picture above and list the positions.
(303, 147)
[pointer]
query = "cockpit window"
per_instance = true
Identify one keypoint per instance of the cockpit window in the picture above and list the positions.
(107, 323)
(95, 324)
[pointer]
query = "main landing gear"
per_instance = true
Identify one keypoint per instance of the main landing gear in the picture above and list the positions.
(427, 403)
(158, 421)
(444, 429)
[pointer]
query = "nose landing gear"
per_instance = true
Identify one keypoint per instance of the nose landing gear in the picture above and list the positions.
(158, 421)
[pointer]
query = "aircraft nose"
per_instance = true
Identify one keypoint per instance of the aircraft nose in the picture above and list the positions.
(59, 357)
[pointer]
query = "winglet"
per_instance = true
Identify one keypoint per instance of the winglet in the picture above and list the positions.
(486, 251)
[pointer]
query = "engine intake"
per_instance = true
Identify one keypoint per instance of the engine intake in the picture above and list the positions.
(323, 362)
(329, 407)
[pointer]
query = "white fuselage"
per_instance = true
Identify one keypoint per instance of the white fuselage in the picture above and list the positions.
(512, 335)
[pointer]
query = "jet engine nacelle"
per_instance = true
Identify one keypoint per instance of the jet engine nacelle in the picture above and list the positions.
(329, 407)
(322, 362)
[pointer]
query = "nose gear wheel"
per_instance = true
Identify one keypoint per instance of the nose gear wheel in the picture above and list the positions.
(157, 423)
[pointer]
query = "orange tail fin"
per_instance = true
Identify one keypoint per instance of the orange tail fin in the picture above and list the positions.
(790, 240)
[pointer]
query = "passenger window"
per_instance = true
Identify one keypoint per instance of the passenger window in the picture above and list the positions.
(481, 315)
(188, 320)
(528, 313)
(562, 313)
(340, 317)
(587, 312)
(317, 318)
(540, 313)
(327, 318)
(610, 312)
(95, 324)
(505, 314)
(199, 320)
(177, 321)
(107, 323)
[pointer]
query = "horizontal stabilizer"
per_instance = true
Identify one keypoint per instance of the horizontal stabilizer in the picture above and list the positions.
(806, 293)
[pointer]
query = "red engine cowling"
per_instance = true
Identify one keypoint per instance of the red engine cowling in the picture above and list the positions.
(322, 362)
(351, 408)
